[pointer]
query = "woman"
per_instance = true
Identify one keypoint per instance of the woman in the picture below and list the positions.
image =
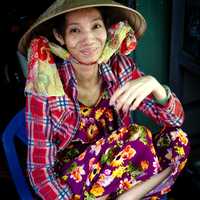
(82, 144)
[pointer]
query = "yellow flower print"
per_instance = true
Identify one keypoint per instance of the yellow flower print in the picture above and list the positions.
(182, 136)
(99, 113)
(182, 165)
(92, 131)
(149, 133)
(64, 178)
(154, 198)
(127, 153)
(81, 156)
(119, 172)
(76, 197)
(125, 184)
(122, 131)
(94, 171)
(102, 178)
(117, 162)
(91, 162)
(105, 180)
(85, 111)
(113, 137)
(109, 115)
(96, 148)
(82, 124)
(76, 173)
(100, 142)
(144, 165)
(103, 122)
(179, 150)
(97, 190)
(153, 151)
(137, 132)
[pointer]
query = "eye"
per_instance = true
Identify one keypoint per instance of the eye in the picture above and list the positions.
(97, 26)
(74, 30)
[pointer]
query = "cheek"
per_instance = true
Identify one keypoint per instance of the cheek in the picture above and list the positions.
(103, 37)
(71, 42)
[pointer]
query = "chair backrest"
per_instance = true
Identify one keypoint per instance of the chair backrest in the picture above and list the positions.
(16, 129)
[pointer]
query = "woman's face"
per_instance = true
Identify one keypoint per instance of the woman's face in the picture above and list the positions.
(85, 35)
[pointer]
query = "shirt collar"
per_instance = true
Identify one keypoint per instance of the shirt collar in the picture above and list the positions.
(70, 77)
(107, 74)
(105, 70)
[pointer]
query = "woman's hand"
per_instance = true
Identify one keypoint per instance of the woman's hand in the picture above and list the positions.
(129, 96)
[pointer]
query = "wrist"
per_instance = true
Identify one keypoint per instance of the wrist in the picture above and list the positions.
(163, 97)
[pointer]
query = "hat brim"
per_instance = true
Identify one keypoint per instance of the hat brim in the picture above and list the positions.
(117, 12)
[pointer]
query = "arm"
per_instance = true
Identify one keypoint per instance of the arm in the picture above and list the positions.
(169, 114)
(141, 189)
(145, 93)
(42, 151)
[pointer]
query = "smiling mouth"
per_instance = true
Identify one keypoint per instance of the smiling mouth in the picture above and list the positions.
(88, 51)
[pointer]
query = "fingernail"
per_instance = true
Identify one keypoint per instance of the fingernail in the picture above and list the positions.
(132, 108)
(111, 103)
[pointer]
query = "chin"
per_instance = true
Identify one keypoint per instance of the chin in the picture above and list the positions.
(88, 61)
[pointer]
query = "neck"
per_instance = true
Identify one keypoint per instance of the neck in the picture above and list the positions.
(87, 75)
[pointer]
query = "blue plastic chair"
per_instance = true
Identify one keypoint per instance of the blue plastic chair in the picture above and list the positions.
(16, 129)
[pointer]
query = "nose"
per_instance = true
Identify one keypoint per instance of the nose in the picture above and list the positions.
(88, 37)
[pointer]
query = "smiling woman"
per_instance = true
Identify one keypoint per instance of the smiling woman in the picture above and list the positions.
(85, 35)
(80, 92)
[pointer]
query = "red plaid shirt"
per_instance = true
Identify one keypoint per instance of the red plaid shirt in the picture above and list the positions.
(53, 121)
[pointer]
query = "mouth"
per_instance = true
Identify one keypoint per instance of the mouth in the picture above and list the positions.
(89, 51)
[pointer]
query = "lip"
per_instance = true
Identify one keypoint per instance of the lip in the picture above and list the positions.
(88, 51)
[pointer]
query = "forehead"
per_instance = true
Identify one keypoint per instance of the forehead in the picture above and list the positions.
(82, 14)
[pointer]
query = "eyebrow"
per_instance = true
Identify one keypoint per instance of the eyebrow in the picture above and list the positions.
(95, 19)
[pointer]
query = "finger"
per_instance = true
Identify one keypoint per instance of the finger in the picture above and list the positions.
(118, 93)
(126, 106)
(138, 100)
(130, 97)
(122, 100)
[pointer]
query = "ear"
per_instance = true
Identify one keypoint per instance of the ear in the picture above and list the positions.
(58, 37)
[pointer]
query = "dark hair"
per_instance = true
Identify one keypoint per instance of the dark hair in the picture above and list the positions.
(59, 23)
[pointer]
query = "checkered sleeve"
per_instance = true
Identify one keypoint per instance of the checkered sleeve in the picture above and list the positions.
(170, 114)
(42, 151)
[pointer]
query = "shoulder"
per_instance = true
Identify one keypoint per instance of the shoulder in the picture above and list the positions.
(124, 66)
(121, 61)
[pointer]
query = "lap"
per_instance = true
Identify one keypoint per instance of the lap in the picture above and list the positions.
(126, 156)
(123, 159)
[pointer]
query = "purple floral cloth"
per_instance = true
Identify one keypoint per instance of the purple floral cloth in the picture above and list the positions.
(104, 159)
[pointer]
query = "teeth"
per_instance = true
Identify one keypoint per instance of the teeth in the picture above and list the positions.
(88, 51)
